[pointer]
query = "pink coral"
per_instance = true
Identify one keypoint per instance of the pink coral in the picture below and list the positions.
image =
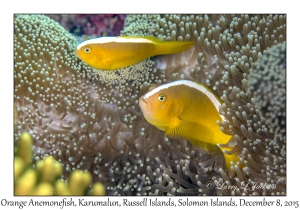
(90, 24)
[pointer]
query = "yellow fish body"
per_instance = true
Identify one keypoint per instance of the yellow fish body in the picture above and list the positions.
(110, 53)
(187, 109)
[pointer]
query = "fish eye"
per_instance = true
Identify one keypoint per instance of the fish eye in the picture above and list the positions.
(161, 97)
(87, 50)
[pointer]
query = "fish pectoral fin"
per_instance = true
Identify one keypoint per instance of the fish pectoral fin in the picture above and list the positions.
(179, 128)
(124, 61)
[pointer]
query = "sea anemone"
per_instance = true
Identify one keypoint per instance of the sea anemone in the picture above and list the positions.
(227, 47)
(90, 120)
(267, 82)
(140, 25)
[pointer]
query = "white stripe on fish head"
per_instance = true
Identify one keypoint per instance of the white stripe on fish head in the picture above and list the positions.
(191, 84)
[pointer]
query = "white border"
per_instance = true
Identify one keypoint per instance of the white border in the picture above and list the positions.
(153, 6)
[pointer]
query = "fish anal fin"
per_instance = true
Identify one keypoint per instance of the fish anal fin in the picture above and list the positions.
(231, 155)
(217, 158)
(232, 158)
(211, 148)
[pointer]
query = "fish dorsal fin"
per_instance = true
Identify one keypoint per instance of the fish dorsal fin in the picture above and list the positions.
(150, 38)
(178, 127)
(154, 39)
(152, 87)
(84, 38)
(104, 33)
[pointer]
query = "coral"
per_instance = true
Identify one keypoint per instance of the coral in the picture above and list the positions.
(90, 120)
(267, 83)
(91, 24)
(42, 178)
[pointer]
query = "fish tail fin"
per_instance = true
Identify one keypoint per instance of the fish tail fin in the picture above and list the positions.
(173, 47)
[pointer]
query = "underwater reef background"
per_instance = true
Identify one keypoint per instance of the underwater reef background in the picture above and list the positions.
(89, 119)
(91, 24)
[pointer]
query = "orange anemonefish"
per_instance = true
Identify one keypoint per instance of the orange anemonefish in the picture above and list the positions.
(110, 53)
(187, 109)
